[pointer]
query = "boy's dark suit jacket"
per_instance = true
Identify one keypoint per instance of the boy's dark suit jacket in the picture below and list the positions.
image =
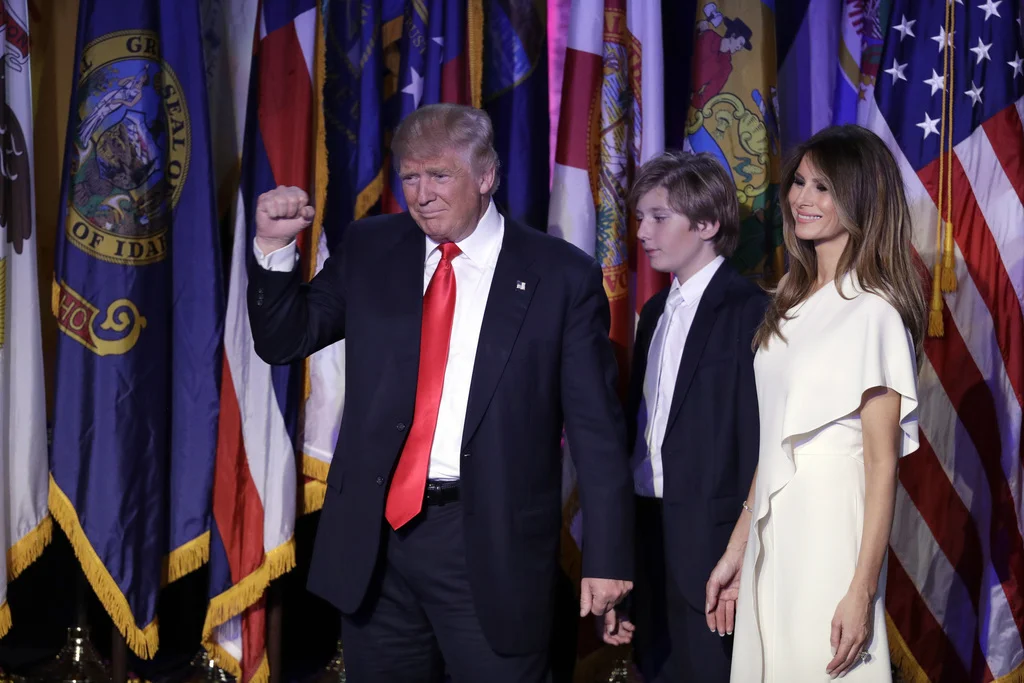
(710, 449)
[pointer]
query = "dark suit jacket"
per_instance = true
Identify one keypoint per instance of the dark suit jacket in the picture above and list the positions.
(710, 449)
(543, 356)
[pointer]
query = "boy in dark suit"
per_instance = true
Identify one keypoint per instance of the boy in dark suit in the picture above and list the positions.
(692, 414)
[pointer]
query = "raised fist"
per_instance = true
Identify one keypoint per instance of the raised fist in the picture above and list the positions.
(281, 214)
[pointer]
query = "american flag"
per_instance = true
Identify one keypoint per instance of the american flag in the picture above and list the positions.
(948, 101)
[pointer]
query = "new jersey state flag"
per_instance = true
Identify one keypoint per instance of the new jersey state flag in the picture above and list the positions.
(139, 301)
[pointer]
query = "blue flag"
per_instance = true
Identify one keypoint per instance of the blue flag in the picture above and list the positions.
(138, 295)
(515, 95)
(358, 35)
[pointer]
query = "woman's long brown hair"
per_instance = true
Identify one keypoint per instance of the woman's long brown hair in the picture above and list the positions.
(866, 186)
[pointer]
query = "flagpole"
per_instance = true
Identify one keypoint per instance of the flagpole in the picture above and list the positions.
(118, 656)
(275, 620)
(81, 599)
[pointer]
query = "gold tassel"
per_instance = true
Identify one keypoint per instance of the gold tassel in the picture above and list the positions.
(948, 263)
(935, 328)
(944, 276)
(475, 23)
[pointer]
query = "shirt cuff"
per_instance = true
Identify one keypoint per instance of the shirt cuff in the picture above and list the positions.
(280, 260)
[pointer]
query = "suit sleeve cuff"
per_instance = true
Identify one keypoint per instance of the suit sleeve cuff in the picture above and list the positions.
(280, 260)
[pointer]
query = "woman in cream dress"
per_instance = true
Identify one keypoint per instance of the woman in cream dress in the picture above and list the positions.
(837, 393)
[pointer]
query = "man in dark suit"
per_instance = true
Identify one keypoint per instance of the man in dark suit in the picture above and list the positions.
(470, 339)
(691, 415)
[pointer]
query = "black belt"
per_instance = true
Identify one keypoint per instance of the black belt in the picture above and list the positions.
(442, 492)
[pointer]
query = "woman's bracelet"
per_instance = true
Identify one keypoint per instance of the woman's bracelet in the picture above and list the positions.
(747, 507)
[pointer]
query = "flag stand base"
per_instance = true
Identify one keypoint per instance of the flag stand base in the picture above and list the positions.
(205, 670)
(334, 672)
(77, 662)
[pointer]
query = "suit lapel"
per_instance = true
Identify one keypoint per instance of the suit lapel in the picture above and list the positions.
(512, 289)
(645, 331)
(697, 339)
(400, 292)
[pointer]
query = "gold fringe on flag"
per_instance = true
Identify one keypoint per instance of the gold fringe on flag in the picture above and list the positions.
(902, 657)
(223, 659)
(142, 641)
(28, 549)
(370, 195)
(186, 558)
(313, 495)
(1015, 676)
(250, 589)
(262, 674)
(241, 597)
(314, 488)
(317, 469)
(911, 671)
(475, 39)
(5, 619)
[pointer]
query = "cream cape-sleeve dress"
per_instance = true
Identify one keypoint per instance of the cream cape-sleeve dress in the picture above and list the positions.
(808, 518)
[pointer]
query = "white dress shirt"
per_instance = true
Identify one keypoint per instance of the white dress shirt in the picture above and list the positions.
(474, 270)
(663, 359)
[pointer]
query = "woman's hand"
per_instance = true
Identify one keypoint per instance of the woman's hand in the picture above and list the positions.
(721, 591)
(851, 631)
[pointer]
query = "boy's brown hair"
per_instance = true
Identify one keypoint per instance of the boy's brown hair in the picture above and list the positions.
(699, 188)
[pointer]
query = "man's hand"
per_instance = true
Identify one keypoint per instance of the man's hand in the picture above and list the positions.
(599, 596)
(281, 214)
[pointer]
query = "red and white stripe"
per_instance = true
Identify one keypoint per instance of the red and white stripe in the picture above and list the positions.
(255, 483)
(572, 214)
(643, 18)
(956, 576)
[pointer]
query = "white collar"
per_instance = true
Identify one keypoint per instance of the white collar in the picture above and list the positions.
(480, 245)
(693, 289)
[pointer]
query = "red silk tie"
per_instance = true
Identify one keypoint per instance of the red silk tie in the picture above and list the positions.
(405, 495)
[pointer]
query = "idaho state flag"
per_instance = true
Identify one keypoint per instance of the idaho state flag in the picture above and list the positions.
(139, 300)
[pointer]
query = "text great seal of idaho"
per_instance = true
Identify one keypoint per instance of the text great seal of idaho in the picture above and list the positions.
(132, 146)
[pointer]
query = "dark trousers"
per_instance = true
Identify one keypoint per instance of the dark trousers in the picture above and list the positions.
(419, 621)
(672, 643)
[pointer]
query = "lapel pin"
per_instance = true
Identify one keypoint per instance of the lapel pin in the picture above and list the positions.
(520, 285)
